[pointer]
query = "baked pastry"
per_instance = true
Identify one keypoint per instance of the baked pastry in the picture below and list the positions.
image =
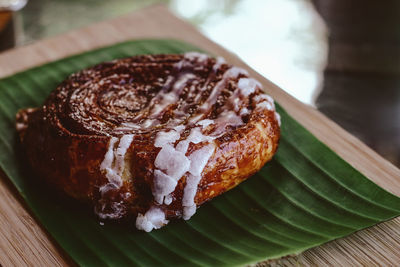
(151, 136)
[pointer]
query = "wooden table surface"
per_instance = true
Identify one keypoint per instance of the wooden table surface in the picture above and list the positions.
(24, 242)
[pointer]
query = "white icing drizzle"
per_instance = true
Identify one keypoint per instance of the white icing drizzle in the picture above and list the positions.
(113, 165)
(247, 86)
(226, 118)
(164, 185)
(20, 126)
(170, 163)
(175, 164)
(198, 160)
(169, 137)
(231, 73)
(265, 105)
(205, 123)
(154, 218)
(115, 213)
(179, 128)
(106, 165)
(264, 98)
(163, 99)
(194, 137)
(196, 56)
(173, 161)
(168, 199)
(123, 146)
(218, 63)
(244, 111)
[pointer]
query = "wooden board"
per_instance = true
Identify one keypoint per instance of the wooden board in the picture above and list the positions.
(24, 242)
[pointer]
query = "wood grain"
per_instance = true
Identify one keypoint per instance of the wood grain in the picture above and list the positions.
(23, 242)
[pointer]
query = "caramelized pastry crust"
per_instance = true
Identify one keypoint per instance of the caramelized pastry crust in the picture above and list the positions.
(151, 136)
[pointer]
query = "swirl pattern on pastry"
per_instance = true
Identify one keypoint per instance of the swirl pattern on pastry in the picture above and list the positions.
(151, 136)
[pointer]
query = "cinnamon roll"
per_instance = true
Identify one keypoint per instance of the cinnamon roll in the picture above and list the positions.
(151, 137)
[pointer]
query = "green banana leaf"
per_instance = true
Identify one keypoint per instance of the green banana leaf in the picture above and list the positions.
(304, 197)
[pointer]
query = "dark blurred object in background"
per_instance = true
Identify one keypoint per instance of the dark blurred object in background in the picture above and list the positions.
(7, 27)
(6, 30)
(361, 89)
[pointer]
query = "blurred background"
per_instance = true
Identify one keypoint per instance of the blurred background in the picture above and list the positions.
(340, 56)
